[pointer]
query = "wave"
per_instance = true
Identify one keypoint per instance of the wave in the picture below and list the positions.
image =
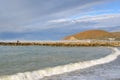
(39, 74)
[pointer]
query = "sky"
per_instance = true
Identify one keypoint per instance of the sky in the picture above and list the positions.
(55, 19)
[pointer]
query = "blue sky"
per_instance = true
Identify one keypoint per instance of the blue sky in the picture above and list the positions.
(54, 19)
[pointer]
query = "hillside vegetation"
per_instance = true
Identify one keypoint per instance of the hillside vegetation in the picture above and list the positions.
(94, 34)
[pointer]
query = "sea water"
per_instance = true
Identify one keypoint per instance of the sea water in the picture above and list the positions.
(106, 71)
(20, 59)
(119, 48)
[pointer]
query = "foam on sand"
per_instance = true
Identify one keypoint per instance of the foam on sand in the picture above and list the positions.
(36, 75)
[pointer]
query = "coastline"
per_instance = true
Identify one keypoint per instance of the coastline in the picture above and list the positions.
(108, 71)
(59, 70)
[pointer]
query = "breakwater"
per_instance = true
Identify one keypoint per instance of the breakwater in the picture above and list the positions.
(63, 43)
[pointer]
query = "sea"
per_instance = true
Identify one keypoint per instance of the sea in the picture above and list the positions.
(39, 62)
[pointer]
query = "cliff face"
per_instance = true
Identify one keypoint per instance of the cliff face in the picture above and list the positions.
(94, 34)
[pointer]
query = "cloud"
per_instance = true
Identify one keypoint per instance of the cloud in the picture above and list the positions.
(96, 21)
(87, 18)
(23, 17)
(59, 20)
(97, 18)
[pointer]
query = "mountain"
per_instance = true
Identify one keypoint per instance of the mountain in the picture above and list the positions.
(94, 34)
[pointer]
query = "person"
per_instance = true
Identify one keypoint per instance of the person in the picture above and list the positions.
(18, 41)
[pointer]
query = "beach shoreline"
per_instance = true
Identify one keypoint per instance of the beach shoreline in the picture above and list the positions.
(61, 70)
(108, 71)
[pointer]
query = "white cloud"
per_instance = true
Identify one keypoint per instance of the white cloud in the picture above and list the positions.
(97, 18)
(27, 16)
(59, 20)
(87, 18)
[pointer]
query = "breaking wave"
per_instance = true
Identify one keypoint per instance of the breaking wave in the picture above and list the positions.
(36, 75)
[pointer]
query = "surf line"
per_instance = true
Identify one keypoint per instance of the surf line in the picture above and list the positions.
(39, 74)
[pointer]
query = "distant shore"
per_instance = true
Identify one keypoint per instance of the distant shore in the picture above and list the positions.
(63, 43)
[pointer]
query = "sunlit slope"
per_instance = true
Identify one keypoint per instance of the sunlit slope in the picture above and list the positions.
(93, 34)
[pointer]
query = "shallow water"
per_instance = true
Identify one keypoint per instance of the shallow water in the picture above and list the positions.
(30, 58)
(108, 71)
(118, 48)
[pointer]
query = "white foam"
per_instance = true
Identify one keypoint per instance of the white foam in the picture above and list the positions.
(36, 75)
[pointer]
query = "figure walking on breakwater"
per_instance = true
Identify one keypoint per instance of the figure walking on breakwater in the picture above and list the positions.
(18, 41)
